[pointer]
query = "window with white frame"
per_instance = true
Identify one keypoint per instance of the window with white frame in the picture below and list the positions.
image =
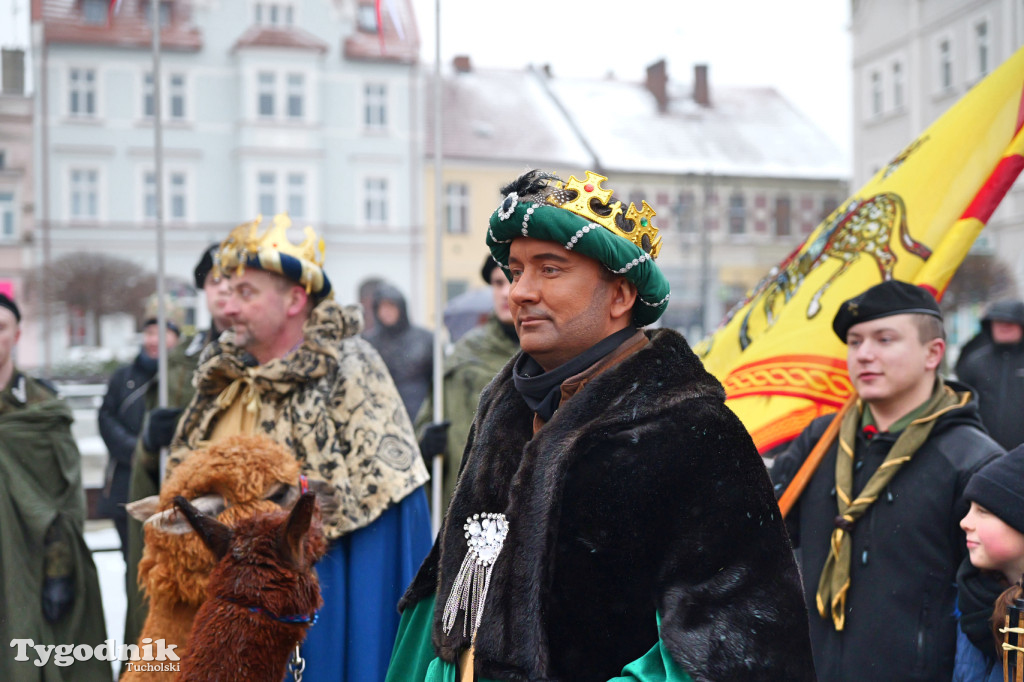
(876, 93)
(945, 64)
(149, 195)
(273, 13)
(6, 216)
(981, 48)
(296, 95)
(375, 108)
(177, 195)
(737, 214)
(897, 85)
(83, 195)
(82, 92)
(456, 208)
(165, 12)
(148, 92)
(685, 211)
(266, 93)
(375, 202)
(266, 192)
(783, 217)
(296, 195)
(176, 96)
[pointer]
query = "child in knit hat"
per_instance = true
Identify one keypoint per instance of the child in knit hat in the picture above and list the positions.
(990, 577)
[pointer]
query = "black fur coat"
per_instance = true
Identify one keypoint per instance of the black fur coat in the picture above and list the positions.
(643, 493)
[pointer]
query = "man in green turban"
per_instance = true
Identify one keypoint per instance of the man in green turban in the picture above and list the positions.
(613, 519)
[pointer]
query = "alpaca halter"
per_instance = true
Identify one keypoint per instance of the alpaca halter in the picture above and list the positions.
(290, 619)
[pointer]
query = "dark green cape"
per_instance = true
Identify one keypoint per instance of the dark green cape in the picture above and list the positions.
(40, 485)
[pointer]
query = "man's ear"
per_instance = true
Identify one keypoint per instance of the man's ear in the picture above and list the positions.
(936, 349)
(298, 299)
(623, 298)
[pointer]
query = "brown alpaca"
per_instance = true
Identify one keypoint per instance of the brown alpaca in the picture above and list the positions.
(234, 479)
(262, 595)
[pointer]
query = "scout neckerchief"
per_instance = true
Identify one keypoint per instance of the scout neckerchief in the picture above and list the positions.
(835, 576)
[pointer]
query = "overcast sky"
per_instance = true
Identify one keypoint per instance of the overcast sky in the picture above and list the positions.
(800, 47)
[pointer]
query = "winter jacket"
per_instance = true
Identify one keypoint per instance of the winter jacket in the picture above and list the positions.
(900, 608)
(120, 420)
(476, 358)
(973, 665)
(996, 372)
(407, 351)
(643, 495)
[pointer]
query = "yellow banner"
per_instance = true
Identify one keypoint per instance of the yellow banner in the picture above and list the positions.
(776, 353)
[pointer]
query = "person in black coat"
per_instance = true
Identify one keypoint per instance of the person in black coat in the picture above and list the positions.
(992, 363)
(878, 527)
(121, 416)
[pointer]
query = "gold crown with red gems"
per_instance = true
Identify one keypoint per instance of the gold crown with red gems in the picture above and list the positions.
(589, 200)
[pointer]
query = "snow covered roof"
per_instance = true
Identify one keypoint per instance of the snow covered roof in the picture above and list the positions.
(746, 131)
(616, 126)
(503, 115)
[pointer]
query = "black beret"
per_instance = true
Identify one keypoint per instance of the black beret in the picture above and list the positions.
(999, 487)
(488, 269)
(205, 264)
(891, 297)
(6, 302)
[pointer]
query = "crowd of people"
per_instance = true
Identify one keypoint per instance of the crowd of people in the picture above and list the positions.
(606, 516)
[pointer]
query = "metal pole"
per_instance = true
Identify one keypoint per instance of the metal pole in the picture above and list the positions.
(158, 176)
(44, 198)
(437, 464)
(705, 254)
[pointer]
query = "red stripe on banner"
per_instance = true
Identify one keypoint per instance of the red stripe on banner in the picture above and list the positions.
(995, 188)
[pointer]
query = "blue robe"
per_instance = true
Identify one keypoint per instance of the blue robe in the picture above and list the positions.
(362, 577)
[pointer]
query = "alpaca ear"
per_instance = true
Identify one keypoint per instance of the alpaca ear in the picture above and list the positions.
(141, 510)
(214, 534)
(171, 522)
(294, 531)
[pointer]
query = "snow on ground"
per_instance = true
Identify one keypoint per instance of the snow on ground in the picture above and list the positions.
(102, 539)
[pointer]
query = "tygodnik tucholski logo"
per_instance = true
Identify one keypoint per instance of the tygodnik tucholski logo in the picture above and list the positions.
(138, 658)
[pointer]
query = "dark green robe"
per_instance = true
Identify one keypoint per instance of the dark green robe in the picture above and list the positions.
(40, 487)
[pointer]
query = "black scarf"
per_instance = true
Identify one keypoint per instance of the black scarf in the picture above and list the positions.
(977, 592)
(542, 390)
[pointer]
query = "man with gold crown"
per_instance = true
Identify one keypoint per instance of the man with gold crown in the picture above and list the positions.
(613, 519)
(294, 367)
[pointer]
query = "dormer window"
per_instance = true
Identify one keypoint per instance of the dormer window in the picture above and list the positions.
(95, 11)
(273, 13)
(366, 19)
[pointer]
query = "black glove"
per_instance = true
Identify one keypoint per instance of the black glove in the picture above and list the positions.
(434, 441)
(58, 596)
(58, 574)
(160, 427)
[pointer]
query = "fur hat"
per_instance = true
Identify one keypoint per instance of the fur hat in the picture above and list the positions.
(891, 297)
(174, 314)
(999, 487)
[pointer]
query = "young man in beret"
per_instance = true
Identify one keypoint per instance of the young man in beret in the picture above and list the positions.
(878, 526)
(613, 517)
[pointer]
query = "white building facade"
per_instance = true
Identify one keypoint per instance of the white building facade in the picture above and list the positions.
(296, 106)
(912, 60)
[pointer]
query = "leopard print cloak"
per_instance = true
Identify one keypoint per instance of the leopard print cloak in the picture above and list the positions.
(332, 402)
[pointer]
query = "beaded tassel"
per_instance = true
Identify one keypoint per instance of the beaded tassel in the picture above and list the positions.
(485, 535)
